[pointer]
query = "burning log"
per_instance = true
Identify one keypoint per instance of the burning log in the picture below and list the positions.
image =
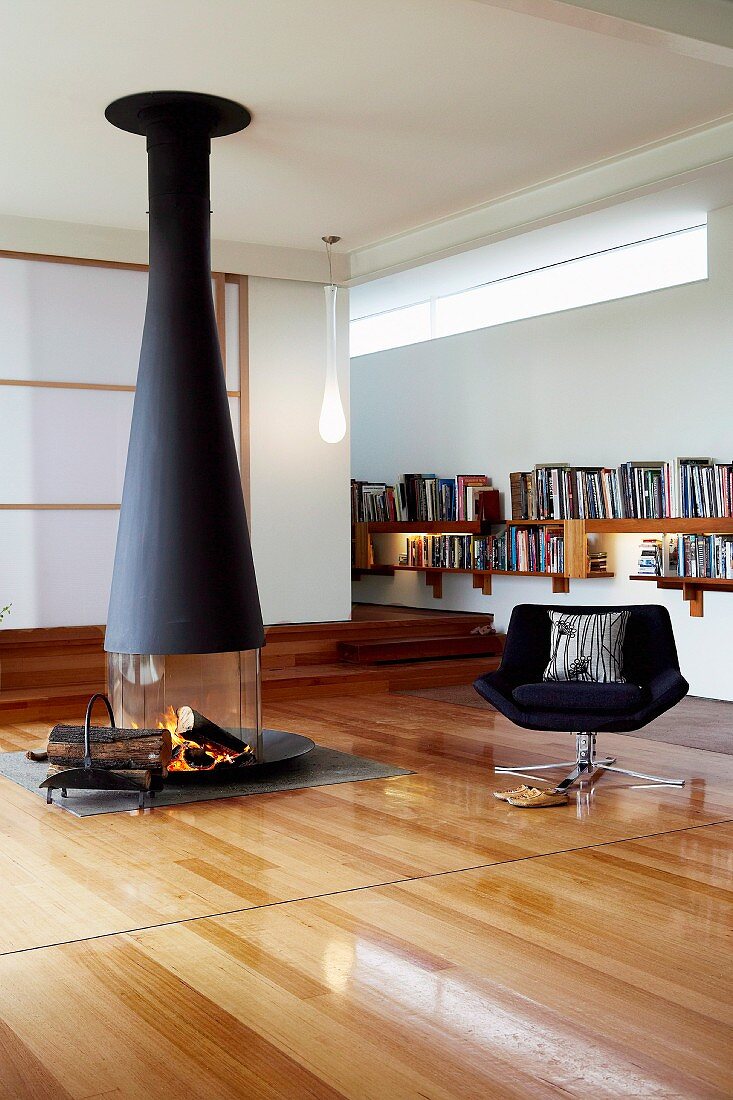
(111, 748)
(147, 779)
(195, 756)
(200, 745)
(192, 726)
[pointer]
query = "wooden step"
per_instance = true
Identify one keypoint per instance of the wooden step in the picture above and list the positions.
(50, 674)
(318, 643)
(52, 657)
(343, 679)
(351, 630)
(288, 683)
(421, 649)
(51, 703)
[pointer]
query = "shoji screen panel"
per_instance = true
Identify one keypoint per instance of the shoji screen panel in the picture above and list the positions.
(62, 446)
(61, 322)
(69, 347)
(56, 566)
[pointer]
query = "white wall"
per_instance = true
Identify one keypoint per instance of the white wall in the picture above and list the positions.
(300, 485)
(647, 377)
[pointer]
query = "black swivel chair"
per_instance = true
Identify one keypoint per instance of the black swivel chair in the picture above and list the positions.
(654, 685)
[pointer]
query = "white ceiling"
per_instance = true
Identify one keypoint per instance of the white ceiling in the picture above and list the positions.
(370, 116)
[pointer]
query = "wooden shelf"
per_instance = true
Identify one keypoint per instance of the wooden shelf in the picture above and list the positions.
(481, 577)
(374, 570)
(523, 573)
(673, 526)
(538, 522)
(436, 569)
(692, 588)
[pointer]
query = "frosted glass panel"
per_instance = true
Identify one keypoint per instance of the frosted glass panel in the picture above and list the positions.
(63, 446)
(619, 273)
(56, 567)
(231, 313)
(62, 322)
(394, 329)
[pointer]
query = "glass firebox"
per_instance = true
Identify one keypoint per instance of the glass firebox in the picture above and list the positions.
(210, 702)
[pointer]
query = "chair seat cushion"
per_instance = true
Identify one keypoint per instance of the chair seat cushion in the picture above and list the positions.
(577, 696)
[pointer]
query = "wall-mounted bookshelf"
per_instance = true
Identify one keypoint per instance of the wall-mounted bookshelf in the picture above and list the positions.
(575, 534)
(547, 536)
(366, 563)
(692, 588)
(690, 497)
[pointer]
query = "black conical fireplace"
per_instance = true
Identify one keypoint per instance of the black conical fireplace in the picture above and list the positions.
(184, 627)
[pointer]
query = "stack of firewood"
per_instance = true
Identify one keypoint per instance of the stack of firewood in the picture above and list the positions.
(140, 755)
(145, 756)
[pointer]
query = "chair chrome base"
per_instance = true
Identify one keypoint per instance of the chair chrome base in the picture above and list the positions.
(585, 764)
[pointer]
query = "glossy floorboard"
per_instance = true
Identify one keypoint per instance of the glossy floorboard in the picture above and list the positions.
(574, 958)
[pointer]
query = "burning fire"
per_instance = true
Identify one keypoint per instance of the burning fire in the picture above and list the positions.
(192, 756)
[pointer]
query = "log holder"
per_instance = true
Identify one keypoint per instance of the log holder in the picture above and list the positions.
(89, 778)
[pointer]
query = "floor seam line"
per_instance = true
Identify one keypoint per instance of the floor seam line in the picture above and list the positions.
(360, 889)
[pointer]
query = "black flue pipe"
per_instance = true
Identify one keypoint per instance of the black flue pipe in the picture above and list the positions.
(183, 579)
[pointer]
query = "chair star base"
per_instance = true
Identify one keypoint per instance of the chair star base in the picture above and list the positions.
(584, 765)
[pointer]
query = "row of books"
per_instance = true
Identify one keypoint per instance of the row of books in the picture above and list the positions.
(440, 551)
(638, 490)
(374, 503)
(424, 497)
(706, 488)
(490, 551)
(705, 556)
(536, 550)
(687, 556)
(524, 550)
(699, 488)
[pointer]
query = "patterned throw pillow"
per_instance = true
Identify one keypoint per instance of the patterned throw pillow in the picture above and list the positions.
(587, 647)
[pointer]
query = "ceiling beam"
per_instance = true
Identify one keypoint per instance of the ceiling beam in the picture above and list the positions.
(657, 167)
(103, 242)
(700, 29)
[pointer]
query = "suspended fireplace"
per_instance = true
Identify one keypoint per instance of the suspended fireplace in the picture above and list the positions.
(184, 628)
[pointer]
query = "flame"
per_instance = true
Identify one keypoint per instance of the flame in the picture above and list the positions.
(219, 754)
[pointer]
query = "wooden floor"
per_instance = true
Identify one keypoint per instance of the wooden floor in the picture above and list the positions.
(408, 937)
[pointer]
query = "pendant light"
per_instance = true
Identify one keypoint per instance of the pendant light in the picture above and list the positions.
(332, 422)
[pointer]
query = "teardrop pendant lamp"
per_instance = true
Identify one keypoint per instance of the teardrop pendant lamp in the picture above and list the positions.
(332, 422)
